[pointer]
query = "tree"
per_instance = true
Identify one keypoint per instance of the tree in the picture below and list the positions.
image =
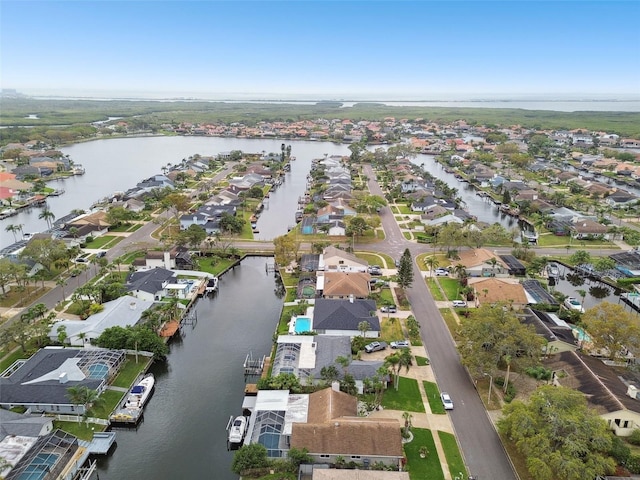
(580, 257)
(249, 456)
(119, 215)
(177, 203)
(612, 328)
(194, 235)
(492, 333)
(13, 229)
(84, 396)
(48, 216)
(356, 226)
(62, 334)
(405, 270)
(230, 223)
(140, 336)
(286, 249)
(432, 263)
(560, 437)
(44, 251)
(364, 327)
(7, 269)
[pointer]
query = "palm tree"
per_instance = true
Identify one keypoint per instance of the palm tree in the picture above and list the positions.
(85, 397)
(364, 327)
(432, 263)
(13, 229)
(48, 216)
(583, 294)
(493, 261)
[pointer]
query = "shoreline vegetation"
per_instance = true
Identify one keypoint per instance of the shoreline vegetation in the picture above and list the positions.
(19, 113)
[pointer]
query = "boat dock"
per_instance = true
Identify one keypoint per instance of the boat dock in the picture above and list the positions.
(632, 299)
(253, 366)
(100, 444)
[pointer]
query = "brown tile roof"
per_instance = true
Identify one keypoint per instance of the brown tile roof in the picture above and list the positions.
(477, 256)
(585, 225)
(97, 218)
(327, 404)
(350, 436)
(348, 283)
(498, 290)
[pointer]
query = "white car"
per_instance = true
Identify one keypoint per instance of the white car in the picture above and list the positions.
(441, 272)
(446, 401)
(459, 303)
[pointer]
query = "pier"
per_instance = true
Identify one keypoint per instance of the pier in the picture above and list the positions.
(253, 366)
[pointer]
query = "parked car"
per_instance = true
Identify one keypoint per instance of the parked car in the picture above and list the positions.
(375, 347)
(459, 303)
(375, 270)
(389, 309)
(81, 260)
(446, 401)
(400, 344)
(441, 272)
(101, 254)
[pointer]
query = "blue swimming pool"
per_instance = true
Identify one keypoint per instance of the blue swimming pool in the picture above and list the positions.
(303, 324)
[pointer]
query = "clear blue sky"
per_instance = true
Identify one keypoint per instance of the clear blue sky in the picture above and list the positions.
(328, 49)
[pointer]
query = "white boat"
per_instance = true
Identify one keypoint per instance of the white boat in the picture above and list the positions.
(553, 270)
(212, 285)
(140, 392)
(238, 429)
(573, 303)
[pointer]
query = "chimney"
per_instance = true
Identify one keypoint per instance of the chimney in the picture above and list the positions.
(335, 386)
(63, 378)
(351, 298)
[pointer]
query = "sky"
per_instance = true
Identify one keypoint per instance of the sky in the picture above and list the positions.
(336, 49)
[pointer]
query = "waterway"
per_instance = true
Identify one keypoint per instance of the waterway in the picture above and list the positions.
(201, 384)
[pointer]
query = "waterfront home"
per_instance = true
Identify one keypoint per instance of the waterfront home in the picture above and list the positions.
(620, 199)
(585, 228)
(343, 317)
(308, 225)
(325, 214)
(424, 204)
(498, 290)
(86, 225)
(208, 217)
(613, 393)
(343, 285)
(444, 220)
(121, 312)
(149, 184)
(247, 181)
(557, 333)
(150, 284)
(41, 382)
(434, 212)
(334, 259)
(333, 429)
(177, 258)
(478, 262)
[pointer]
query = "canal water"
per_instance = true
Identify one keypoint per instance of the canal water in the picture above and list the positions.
(201, 384)
(118, 164)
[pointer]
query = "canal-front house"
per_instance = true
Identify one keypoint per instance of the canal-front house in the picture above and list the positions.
(343, 317)
(557, 333)
(334, 259)
(612, 393)
(157, 283)
(41, 383)
(492, 291)
(121, 312)
(479, 262)
(306, 356)
(343, 285)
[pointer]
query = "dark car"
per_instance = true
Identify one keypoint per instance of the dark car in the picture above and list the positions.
(375, 270)
(101, 254)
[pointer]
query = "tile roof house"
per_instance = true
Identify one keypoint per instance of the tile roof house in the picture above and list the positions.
(341, 317)
(344, 284)
(610, 391)
(333, 429)
(477, 263)
(498, 290)
(41, 383)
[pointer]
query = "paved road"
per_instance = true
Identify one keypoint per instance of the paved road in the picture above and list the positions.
(481, 446)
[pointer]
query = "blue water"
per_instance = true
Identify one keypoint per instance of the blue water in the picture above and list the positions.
(39, 467)
(303, 324)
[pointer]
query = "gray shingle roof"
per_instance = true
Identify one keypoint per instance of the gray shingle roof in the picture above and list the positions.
(330, 314)
(149, 281)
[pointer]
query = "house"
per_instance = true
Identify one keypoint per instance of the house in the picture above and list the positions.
(585, 228)
(334, 259)
(208, 217)
(613, 393)
(557, 333)
(122, 312)
(177, 258)
(479, 263)
(86, 225)
(343, 284)
(342, 317)
(332, 429)
(498, 290)
(621, 198)
(41, 382)
(337, 228)
(424, 204)
(444, 220)
(149, 284)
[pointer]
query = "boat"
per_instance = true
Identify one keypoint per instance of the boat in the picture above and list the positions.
(553, 270)
(212, 285)
(237, 430)
(140, 392)
(573, 303)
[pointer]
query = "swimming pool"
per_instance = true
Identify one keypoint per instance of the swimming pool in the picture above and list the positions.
(302, 324)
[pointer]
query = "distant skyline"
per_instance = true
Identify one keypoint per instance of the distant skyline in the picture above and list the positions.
(401, 50)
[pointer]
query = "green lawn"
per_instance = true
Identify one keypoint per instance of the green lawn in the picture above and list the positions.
(205, 265)
(386, 298)
(131, 227)
(550, 240)
(422, 361)
(81, 430)
(451, 287)
(408, 235)
(407, 398)
(422, 468)
(434, 289)
(452, 454)
(111, 401)
(8, 361)
(288, 279)
(292, 294)
(391, 329)
(451, 322)
(130, 257)
(377, 259)
(104, 241)
(130, 371)
(405, 209)
(433, 395)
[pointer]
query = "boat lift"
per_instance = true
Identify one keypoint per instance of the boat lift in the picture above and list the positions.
(253, 366)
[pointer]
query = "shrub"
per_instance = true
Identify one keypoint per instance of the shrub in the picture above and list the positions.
(539, 373)
(250, 457)
(634, 438)
(511, 389)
